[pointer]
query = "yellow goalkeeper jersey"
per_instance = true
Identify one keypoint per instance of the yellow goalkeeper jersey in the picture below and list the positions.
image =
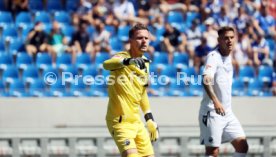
(126, 88)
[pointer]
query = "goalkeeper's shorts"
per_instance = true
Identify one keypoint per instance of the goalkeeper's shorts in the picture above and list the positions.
(130, 135)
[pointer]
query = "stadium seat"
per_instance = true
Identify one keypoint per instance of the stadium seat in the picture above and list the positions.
(17, 89)
(23, 18)
(246, 73)
(188, 74)
(68, 30)
(64, 60)
(175, 17)
(238, 88)
(69, 73)
(6, 19)
(35, 5)
(177, 88)
(160, 58)
(78, 88)
(9, 32)
(16, 45)
(265, 74)
(5, 60)
(37, 88)
(50, 74)
(159, 33)
(90, 29)
(62, 17)
(190, 16)
(54, 5)
(196, 89)
(43, 60)
(58, 89)
(115, 44)
(181, 59)
(111, 29)
(255, 87)
(2, 45)
(25, 31)
(83, 60)
(23, 60)
(101, 57)
(9, 74)
(72, 5)
(30, 74)
(122, 33)
(98, 89)
(43, 17)
(169, 71)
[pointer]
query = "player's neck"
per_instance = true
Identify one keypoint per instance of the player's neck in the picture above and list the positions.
(223, 53)
(135, 54)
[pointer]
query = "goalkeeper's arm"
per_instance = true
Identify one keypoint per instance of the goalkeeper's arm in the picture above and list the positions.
(151, 124)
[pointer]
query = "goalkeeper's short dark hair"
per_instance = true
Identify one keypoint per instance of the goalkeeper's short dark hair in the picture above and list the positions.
(135, 28)
(222, 30)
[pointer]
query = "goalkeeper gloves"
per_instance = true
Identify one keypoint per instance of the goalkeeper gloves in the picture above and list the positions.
(139, 62)
(152, 127)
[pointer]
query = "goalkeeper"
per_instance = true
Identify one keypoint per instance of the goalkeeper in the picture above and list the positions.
(127, 96)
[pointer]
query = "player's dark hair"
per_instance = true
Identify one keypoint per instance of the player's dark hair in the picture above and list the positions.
(135, 28)
(222, 30)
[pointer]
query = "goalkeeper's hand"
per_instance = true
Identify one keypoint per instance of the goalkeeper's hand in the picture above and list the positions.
(139, 62)
(152, 127)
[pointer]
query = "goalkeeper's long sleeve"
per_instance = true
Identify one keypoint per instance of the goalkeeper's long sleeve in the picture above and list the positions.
(113, 64)
(145, 105)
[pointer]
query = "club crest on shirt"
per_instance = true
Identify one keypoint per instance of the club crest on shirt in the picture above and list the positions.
(127, 142)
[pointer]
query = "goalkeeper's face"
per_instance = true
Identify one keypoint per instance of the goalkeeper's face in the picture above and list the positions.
(140, 41)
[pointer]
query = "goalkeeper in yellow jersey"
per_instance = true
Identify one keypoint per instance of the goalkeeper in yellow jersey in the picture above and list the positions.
(127, 96)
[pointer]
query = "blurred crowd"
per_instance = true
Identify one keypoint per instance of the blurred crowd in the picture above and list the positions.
(182, 26)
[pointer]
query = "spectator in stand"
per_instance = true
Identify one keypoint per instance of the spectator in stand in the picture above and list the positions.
(173, 41)
(37, 40)
(201, 52)
(241, 52)
(211, 34)
(81, 41)
(103, 11)
(16, 6)
(83, 13)
(125, 12)
(261, 51)
(58, 41)
(101, 38)
(222, 19)
(266, 22)
(193, 38)
(241, 20)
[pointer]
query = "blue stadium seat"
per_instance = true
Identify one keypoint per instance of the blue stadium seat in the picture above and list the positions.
(23, 60)
(43, 60)
(265, 74)
(116, 44)
(35, 5)
(43, 17)
(177, 88)
(98, 89)
(154, 70)
(246, 73)
(23, 18)
(169, 71)
(69, 72)
(159, 86)
(159, 33)
(58, 89)
(111, 29)
(90, 71)
(30, 74)
(25, 31)
(17, 89)
(9, 32)
(122, 33)
(2, 45)
(238, 88)
(50, 74)
(2, 5)
(68, 30)
(64, 60)
(54, 5)
(160, 58)
(62, 17)
(83, 60)
(181, 59)
(16, 45)
(37, 88)
(72, 5)
(255, 87)
(196, 89)
(101, 57)
(6, 19)
(90, 29)
(9, 74)
(175, 17)
(190, 16)
(79, 88)
(5, 60)
(188, 74)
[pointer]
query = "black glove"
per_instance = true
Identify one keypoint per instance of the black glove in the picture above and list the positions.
(139, 62)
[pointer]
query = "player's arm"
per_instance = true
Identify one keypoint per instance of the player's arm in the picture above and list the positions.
(208, 80)
(151, 124)
(114, 63)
